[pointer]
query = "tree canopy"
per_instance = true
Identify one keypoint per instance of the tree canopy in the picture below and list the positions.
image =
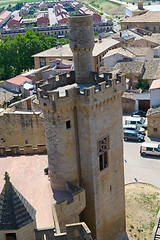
(15, 55)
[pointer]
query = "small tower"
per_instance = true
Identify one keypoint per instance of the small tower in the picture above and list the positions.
(83, 123)
(81, 42)
(17, 216)
(140, 10)
(140, 5)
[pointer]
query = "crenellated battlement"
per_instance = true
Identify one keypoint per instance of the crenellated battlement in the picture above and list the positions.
(63, 92)
(65, 209)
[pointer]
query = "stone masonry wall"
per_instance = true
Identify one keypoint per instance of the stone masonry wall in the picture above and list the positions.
(93, 115)
(104, 213)
(21, 129)
(153, 125)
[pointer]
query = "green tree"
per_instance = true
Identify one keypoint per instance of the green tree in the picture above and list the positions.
(14, 26)
(96, 33)
(142, 84)
(15, 55)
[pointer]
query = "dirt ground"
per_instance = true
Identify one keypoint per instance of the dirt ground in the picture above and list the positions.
(142, 206)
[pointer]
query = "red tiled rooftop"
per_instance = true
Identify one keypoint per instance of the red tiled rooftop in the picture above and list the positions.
(42, 15)
(4, 14)
(28, 178)
(155, 84)
(17, 18)
(18, 80)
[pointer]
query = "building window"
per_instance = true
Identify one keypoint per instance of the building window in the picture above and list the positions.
(68, 124)
(11, 236)
(103, 147)
(42, 62)
(154, 129)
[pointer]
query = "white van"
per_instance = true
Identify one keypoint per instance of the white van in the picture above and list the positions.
(134, 127)
(150, 148)
(140, 121)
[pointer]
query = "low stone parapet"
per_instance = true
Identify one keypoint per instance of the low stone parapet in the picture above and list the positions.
(23, 150)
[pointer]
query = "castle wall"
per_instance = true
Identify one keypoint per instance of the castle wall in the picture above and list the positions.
(61, 147)
(21, 129)
(68, 212)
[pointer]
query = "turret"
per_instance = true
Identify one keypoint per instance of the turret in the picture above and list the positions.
(81, 40)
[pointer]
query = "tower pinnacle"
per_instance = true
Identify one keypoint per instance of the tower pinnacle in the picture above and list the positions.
(6, 178)
(81, 40)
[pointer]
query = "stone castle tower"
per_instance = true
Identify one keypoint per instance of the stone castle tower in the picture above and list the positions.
(82, 112)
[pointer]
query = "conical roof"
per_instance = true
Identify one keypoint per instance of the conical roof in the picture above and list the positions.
(15, 210)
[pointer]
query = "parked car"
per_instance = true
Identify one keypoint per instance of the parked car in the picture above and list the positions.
(139, 112)
(135, 127)
(132, 135)
(139, 121)
(150, 148)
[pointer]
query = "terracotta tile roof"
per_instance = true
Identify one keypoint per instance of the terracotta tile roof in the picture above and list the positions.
(41, 15)
(144, 18)
(138, 51)
(17, 18)
(155, 84)
(153, 111)
(131, 67)
(120, 51)
(5, 95)
(152, 70)
(65, 50)
(5, 14)
(155, 37)
(18, 80)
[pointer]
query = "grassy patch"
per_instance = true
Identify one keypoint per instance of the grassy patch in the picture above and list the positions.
(142, 207)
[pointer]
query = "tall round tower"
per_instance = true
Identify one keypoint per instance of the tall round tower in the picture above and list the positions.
(81, 40)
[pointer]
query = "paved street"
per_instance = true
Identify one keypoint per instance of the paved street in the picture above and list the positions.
(142, 169)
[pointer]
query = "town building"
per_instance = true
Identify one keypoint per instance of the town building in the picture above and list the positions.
(132, 9)
(155, 94)
(4, 17)
(83, 124)
(6, 97)
(57, 30)
(149, 21)
(133, 70)
(111, 58)
(15, 22)
(43, 6)
(140, 10)
(153, 122)
(152, 71)
(42, 19)
(100, 49)
(62, 18)
(24, 11)
(15, 84)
